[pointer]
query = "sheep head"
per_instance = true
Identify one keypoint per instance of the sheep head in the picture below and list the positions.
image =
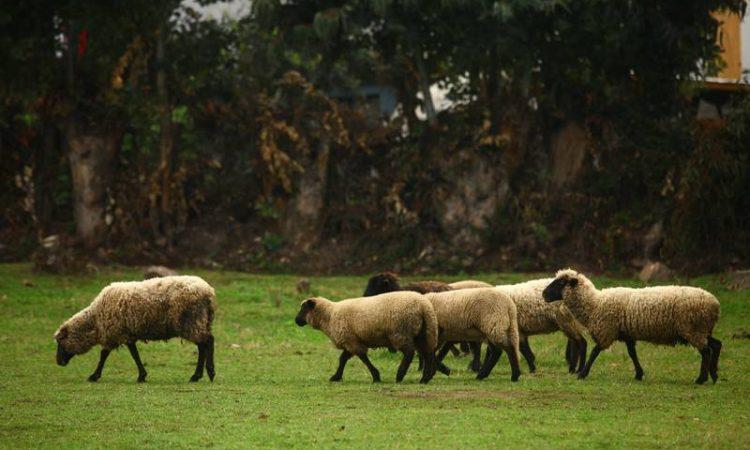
(305, 308)
(382, 283)
(74, 337)
(566, 282)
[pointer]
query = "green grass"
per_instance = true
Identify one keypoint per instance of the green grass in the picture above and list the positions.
(272, 390)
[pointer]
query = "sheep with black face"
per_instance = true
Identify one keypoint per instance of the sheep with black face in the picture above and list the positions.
(664, 315)
(404, 321)
(155, 309)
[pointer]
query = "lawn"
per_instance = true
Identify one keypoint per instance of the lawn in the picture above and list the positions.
(272, 387)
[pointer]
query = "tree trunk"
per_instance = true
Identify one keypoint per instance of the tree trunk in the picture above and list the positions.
(424, 84)
(91, 152)
(304, 217)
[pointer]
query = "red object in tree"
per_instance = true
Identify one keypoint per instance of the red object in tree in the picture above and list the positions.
(83, 42)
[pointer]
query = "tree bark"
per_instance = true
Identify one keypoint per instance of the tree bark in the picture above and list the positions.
(91, 153)
(424, 84)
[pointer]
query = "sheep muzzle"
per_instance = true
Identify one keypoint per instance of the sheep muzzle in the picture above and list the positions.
(63, 357)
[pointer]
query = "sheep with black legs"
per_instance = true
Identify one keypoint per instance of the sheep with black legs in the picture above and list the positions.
(479, 315)
(664, 315)
(404, 321)
(154, 309)
(389, 282)
(535, 316)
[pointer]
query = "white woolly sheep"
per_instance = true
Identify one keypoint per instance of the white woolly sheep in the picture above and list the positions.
(389, 282)
(535, 316)
(154, 309)
(404, 321)
(476, 315)
(664, 315)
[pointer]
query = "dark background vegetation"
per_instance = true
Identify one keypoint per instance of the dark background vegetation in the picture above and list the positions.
(136, 132)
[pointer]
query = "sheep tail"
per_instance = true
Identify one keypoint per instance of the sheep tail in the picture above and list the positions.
(514, 335)
(429, 327)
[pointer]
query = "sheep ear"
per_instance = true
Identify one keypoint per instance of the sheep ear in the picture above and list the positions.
(62, 333)
(310, 303)
(573, 282)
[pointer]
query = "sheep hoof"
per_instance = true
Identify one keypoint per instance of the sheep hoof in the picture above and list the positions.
(195, 378)
(639, 376)
(94, 378)
(376, 380)
(700, 380)
(334, 378)
(142, 378)
(581, 376)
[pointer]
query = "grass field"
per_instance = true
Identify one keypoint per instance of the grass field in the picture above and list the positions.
(272, 386)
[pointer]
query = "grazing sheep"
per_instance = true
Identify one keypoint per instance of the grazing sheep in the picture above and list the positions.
(157, 272)
(389, 282)
(155, 309)
(535, 316)
(664, 315)
(477, 315)
(404, 321)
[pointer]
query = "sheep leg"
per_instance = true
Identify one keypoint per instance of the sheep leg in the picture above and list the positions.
(634, 356)
(201, 362)
(476, 356)
(404, 366)
(452, 347)
(426, 354)
(210, 358)
(569, 355)
(137, 358)
(442, 368)
(345, 356)
(444, 351)
(493, 354)
(465, 347)
(706, 358)
(373, 370)
(713, 370)
(572, 355)
(527, 354)
(592, 357)
(99, 367)
(515, 370)
(582, 347)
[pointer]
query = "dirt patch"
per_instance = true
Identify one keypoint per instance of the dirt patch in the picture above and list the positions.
(456, 394)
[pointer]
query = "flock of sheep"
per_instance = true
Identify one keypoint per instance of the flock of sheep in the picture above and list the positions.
(425, 318)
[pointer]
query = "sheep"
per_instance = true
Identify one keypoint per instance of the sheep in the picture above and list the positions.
(476, 315)
(404, 321)
(126, 312)
(158, 271)
(664, 315)
(389, 282)
(535, 316)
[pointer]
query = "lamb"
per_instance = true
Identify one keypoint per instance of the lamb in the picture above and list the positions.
(389, 282)
(476, 315)
(664, 315)
(535, 316)
(126, 312)
(404, 321)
